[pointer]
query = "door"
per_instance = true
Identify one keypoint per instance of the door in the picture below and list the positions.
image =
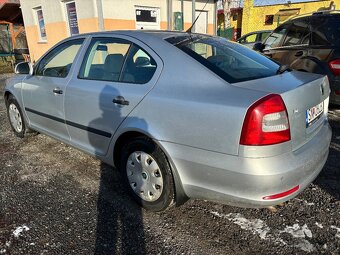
(44, 91)
(114, 76)
(201, 25)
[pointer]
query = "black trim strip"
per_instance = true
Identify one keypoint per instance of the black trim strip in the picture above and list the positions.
(73, 124)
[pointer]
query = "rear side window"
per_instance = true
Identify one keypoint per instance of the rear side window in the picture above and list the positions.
(326, 30)
(276, 37)
(264, 35)
(230, 61)
(249, 39)
(104, 59)
(58, 62)
(298, 34)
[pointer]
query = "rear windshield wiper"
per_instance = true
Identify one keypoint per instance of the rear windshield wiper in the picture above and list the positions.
(282, 69)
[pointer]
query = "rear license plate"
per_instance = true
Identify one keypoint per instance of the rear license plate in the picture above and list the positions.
(313, 114)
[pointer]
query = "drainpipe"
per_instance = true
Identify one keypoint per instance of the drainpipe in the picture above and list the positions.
(182, 13)
(100, 15)
(193, 15)
(170, 20)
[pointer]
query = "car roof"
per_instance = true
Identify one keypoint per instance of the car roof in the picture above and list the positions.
(333, 13)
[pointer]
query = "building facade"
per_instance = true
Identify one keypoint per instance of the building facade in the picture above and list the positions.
(49, 21)
(268, 14)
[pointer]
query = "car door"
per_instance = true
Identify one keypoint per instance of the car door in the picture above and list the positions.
(114, 76)
(43, 92)
(273, 44)
(297, 41)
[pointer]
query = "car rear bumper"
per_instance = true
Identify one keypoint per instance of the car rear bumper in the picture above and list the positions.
(335, 86)
(242, 181)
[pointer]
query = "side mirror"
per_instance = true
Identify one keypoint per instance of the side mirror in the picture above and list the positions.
(258, 47)
(23, 68)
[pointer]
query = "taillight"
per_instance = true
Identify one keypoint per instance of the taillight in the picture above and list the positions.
(334, 65)
(266, 122)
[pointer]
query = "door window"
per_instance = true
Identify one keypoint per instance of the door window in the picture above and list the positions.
(58, 62)
(104, 59)
(264, 35)
(276, 37)
(298, 34)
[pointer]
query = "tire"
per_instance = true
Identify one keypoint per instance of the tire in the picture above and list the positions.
(15, 117)
(147, 174)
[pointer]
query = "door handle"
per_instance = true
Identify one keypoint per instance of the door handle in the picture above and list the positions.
(57, 91)
(120, 100)
(299, 53)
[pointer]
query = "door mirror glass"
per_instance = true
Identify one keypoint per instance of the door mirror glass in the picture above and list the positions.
(23, 68)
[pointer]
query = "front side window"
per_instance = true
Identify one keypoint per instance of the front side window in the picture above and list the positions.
(298, 34)
(58, 62)
(230, 61)
(72, 19)
(276, 37)
(41, 24)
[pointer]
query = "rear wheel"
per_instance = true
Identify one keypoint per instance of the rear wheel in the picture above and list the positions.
(15, 117)
(147, 174)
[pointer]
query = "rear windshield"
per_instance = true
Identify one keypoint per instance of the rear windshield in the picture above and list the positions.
(231, 61)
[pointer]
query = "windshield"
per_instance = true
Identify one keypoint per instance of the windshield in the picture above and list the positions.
(232, 62)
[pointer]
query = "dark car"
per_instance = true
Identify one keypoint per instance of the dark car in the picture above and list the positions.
(309, 43)
(254, 37)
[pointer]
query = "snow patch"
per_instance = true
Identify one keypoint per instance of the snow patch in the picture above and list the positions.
(256, 226)
(318, 225)
(17, 232)
(337, 231)
(297, 231)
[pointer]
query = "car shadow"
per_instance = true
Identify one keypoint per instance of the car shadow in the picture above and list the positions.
(329, 177)
(120, 228)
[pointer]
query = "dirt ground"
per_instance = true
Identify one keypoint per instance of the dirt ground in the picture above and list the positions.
(57, 200)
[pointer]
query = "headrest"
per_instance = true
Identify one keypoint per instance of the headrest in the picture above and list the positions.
(114, 62)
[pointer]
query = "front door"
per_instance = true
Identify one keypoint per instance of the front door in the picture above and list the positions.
(44, 91)
(114, 77)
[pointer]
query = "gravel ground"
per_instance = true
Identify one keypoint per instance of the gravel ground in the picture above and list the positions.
(57, 200)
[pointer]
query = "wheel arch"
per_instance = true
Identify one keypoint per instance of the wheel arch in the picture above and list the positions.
(180, 196)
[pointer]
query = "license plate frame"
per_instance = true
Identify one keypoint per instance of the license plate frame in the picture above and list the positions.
(313, 114)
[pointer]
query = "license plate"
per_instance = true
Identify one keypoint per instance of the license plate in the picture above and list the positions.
(313, 114)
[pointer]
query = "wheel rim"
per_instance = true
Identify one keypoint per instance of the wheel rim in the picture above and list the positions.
(15, 118)
(144, 175)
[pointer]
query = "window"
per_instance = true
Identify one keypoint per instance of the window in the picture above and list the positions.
(231, 62)
(269, 19)
(298, 34)
(72, 19)
(264, 35)
(41, 24)
(113, 59)
(276, 37)
(250, 38)
(147, 17)
(58, 62)
(326, 30)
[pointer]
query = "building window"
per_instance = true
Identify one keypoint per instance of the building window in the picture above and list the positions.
(41, 24)
(147, 17)
(235, 16)
(72, 18)
(269, 20)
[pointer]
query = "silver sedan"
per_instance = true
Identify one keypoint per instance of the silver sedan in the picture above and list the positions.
(181, 115)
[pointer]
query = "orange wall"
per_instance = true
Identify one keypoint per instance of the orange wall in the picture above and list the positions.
(88, 25)
(112, 24)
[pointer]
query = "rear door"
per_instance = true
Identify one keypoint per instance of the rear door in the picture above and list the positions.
(44, 91)
(114, 76)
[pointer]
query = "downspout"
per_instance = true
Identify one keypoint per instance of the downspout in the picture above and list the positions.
(170, 20)
(193, 15)
(182, 13)
(100, 15)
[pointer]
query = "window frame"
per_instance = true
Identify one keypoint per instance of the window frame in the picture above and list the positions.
(37, 65)
(42, 39)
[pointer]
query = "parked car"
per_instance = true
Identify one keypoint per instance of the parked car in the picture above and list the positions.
(310, 43)
(181, 115)
(250, 39)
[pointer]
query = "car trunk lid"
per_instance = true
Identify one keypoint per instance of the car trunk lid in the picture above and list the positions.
(306, 98)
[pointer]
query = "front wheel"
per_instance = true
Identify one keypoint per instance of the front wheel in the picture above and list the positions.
(15, 117)
(147, 174)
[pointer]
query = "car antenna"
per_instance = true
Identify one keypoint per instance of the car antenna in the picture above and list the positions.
(193, 24)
